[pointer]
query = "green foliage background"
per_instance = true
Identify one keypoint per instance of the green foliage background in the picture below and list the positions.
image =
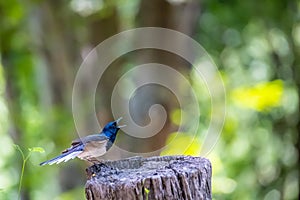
(256, 45)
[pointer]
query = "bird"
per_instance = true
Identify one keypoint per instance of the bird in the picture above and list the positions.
(90, 147)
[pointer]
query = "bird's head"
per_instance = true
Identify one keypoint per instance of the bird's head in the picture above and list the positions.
(111, 128)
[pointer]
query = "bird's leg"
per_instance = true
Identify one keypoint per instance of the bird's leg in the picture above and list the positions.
(102, 164)
(95, 161)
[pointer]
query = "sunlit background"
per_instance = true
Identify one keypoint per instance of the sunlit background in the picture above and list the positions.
(255, 44)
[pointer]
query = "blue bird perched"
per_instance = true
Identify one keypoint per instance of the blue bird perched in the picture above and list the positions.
(90, 147)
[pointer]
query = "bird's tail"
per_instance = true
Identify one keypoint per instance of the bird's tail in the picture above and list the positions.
(64, 157)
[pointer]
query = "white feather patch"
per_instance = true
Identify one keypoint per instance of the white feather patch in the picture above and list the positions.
(65, 158)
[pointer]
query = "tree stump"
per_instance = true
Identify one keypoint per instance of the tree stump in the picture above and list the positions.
(168, 177)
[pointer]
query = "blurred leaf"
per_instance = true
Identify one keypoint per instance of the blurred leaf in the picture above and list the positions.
(176, 116)
(260, 97)
(182, 144)
(224, 185)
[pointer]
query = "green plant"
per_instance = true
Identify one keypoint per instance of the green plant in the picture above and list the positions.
(146, 190)
(147, 193)
(25, 158)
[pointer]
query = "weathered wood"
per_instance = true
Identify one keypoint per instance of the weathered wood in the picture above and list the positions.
(168, 177)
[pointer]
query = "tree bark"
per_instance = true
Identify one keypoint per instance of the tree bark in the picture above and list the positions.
(168, 177)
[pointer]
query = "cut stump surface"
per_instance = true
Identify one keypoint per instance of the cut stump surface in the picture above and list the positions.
(168, 177)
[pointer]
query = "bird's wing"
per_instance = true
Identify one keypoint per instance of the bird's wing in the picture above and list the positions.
(81, 141)
(94, 146)
(76, 141)
(84, 148)
(95, 137)
(74, 144)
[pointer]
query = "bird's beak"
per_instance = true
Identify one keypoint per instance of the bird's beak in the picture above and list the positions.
(118, 120)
